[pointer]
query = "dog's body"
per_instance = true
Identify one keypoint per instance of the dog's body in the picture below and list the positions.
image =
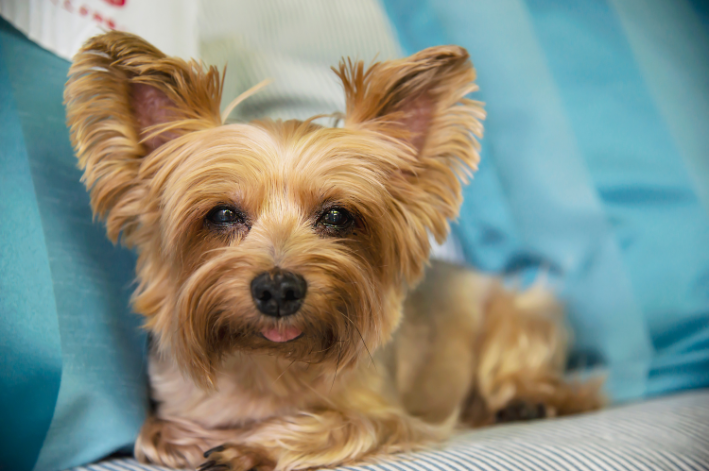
(277, 262)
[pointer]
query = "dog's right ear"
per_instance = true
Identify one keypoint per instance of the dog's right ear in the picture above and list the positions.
(124, 99)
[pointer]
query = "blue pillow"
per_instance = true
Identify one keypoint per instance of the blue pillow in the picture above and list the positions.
(594, 170)
(72, 377)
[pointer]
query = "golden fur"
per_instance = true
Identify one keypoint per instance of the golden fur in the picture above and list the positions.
(359, 380)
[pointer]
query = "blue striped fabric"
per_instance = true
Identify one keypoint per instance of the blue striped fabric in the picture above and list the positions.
(662, 434)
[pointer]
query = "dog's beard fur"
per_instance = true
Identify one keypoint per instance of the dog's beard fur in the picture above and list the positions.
(157, 160)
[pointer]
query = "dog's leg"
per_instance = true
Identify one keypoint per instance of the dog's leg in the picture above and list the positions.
(176, 443)
(520, 373)
(315, 439)
(182, 444)
(434, 354)
(325, 438)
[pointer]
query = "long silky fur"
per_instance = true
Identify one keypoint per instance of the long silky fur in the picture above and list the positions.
(430, 186)
(107, 145)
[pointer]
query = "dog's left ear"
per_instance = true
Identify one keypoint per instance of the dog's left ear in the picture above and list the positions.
(419, 104)
(412, 93)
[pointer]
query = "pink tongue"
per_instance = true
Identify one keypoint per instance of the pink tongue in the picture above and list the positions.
(282, 335)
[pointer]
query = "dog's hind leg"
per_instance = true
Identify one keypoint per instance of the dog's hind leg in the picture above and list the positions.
(521, 360)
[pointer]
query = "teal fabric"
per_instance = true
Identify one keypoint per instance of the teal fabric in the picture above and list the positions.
(72, 377)
(594, 170)
(30, 349)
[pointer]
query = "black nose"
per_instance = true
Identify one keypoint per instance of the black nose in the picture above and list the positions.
(278, 293)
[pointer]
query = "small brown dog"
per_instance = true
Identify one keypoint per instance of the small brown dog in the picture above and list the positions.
(277, 262)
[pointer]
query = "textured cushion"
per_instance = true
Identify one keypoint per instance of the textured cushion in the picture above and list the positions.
(662, 434)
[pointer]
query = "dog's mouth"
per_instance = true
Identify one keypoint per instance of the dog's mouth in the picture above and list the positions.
(281, 335)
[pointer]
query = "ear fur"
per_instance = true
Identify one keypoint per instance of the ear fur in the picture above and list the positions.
(124, 99)
(419, 103)
(410, 92)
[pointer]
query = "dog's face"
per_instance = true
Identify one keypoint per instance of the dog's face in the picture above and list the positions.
(285, 238)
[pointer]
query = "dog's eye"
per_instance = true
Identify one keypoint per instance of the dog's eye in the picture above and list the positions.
(336, 218)
(224, 216)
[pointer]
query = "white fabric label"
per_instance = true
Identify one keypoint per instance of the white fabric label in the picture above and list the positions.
(62, 26)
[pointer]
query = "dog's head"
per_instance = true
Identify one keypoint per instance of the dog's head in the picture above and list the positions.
(284, 238)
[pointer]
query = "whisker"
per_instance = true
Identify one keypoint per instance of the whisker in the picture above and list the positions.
(284, 372)
(371, 358)
(337, 366)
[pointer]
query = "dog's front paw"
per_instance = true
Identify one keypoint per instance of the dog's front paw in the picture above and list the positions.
(230, 457)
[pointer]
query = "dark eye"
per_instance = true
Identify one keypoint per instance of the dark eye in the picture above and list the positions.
(224, 216)
(336, 218)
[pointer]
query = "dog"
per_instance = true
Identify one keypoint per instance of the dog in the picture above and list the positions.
(281, 264)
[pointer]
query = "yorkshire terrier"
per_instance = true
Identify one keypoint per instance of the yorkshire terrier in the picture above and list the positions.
(281, 264)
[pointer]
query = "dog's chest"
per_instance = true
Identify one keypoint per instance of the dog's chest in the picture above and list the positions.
(249, 389)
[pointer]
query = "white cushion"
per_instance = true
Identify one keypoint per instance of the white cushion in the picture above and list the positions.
(670, 433)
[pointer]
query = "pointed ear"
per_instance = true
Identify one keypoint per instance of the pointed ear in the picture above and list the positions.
(124, 99)
(413, 98)
(418, 104)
